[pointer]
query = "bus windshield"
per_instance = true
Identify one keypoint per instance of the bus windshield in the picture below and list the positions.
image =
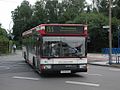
(63, 46)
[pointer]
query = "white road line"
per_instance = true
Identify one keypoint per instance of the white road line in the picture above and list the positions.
(4, 67)
(82, 83)
(93, 74)
(26, 78)
(113, 69)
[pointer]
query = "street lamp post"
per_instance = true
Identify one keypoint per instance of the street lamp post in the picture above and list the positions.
(119, 36)
(110, 34)
(10, 37)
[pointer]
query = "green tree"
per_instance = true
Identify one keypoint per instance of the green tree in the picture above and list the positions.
(4, 42)
(22, 19)
(39, 14)
(98, 35)
(26, 17)
(104, 7)
(51, 8)
(3, 32)
(116, 9)
(101, 6)
(72, 8)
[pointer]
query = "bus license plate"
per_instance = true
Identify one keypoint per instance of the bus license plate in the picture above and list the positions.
(65, 71)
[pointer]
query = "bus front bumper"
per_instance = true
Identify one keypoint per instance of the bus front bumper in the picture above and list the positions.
(63, 68)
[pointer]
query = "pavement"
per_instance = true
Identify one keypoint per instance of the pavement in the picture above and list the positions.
(17, 56)
(99, 59)
(15, 74)
(102, 60)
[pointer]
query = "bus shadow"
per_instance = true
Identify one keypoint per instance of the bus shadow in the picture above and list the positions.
(62, 76)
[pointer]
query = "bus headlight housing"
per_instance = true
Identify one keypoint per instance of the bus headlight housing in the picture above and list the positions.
(47, 66)
(82, 66)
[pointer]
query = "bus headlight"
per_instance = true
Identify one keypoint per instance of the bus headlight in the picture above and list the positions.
(82, 66)
(47, 67)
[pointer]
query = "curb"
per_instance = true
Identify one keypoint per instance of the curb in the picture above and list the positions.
(98, 64)
(116, 65)
(107, 65)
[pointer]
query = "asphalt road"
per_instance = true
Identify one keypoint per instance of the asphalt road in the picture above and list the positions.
(15, 74)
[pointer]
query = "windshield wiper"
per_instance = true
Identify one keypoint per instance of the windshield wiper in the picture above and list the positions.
(52, 56)
(78, 55)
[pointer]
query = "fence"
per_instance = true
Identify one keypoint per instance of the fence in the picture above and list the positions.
(115, 53)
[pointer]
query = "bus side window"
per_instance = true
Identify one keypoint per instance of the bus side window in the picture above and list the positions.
(39, 45)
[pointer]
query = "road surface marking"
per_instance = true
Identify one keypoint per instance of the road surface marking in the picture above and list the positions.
(93, 74)
(4, 67)
(113, 69)
(82, 83)
(26, 78)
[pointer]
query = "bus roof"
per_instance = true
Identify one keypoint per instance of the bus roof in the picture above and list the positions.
(30, 31)
(62, 25)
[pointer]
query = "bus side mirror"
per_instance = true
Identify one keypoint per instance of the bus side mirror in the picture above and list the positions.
(88, 40)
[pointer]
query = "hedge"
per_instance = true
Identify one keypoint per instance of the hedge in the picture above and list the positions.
(4, 45)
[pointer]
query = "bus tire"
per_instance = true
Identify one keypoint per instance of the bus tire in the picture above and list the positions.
(34, 66)
(25, 56)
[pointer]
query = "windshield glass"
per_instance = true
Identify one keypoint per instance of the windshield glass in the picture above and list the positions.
(63, 46)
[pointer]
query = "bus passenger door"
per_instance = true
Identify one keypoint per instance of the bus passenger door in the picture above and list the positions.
(38, 52)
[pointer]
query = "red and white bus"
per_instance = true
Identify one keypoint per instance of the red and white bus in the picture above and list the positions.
(60, 48)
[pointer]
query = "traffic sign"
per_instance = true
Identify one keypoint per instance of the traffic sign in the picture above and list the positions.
(106, 26)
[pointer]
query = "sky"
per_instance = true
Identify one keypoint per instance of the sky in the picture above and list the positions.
(6, 6)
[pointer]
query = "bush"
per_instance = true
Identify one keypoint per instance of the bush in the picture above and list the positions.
(4, 45)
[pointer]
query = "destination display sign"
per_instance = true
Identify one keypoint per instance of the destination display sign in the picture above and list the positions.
(64, 29)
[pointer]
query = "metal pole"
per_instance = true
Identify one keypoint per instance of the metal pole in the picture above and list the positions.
(119, 36)
(9, 27)
(110, 34)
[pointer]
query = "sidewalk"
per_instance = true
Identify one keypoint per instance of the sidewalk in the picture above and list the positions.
(101, 60)
(97, 59)
(17, 56)
(93, 59)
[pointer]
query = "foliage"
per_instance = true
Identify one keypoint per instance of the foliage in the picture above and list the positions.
(116, 9)
(103, 7)
(51, 11)
(98, 35)
(27, 16)
(39, 14)
(3, 35)
(3, 32)
(22, 19)
(4, 42)
(3, 39)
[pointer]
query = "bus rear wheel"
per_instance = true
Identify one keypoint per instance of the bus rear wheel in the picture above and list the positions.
(25, 56)
(34, 62)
